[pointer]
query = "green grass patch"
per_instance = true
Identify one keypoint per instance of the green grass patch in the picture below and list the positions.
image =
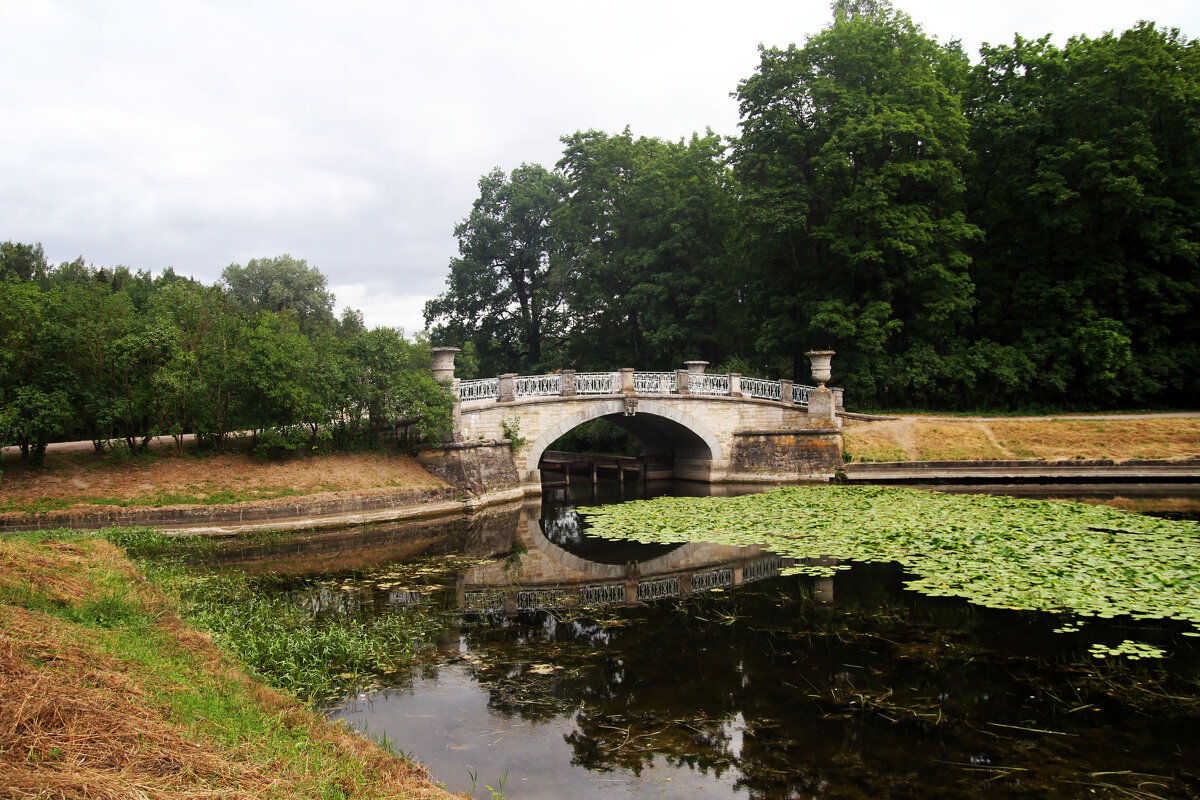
(311, 656)
(109, 619)
(156, 500)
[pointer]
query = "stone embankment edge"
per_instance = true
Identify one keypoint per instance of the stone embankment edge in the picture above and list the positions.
(1165, 471)
(306, 514)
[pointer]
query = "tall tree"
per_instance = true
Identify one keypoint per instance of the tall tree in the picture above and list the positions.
(1087, 183)
(22, 262)
(197, 383)
(503, 292)
(850, 165)
(35, 406)
(644, 235)
(283, 282)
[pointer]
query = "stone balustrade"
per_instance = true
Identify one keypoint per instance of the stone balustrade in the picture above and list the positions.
(569, 384)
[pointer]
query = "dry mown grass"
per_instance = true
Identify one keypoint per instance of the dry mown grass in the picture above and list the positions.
(91, 711)
(78, 478)
(949, 439)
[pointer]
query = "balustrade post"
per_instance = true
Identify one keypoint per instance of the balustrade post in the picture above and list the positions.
(567, 384)
(735, 384)
(785, 392)
(839, 398)
(507, 387)
(443, 364)
(822, 403)
(681, 382)
(627, 380)
(456, 414)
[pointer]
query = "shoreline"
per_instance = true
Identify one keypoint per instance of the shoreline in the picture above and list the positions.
(322, 510)
(347, 508)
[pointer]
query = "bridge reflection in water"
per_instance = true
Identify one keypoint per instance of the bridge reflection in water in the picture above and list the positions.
(542, 558)
(556, 565)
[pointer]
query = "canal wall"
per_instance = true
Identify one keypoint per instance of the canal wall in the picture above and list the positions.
(781, 455)
(478, 466)
(315, 511)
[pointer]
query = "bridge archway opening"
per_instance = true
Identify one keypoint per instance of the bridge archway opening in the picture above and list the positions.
(660, 436)
(683, 445)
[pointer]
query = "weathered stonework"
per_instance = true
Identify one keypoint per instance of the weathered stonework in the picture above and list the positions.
(476, 466)
(699, 432)
(822, 413)
(797, 454)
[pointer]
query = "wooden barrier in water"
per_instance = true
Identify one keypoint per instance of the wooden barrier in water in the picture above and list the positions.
(590, 467)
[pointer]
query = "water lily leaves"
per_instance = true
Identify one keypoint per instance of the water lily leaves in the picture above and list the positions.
(1000, 552)
(1127, 649)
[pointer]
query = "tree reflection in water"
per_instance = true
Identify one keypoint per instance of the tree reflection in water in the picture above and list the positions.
(883, 695)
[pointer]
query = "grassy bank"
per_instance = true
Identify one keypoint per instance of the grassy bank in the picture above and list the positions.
(74, 478)
(105, 693)
(953, 439)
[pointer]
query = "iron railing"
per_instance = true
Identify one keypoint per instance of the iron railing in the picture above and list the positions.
(757, 387)
(482, 389)
(654, 382)
(596, 383)
(537, 385)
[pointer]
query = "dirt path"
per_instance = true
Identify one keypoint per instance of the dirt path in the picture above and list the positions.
(991, 437)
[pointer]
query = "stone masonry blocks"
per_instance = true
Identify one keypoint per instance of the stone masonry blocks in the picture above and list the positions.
(719, 422)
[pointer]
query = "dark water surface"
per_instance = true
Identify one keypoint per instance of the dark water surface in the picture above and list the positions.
(568, 666)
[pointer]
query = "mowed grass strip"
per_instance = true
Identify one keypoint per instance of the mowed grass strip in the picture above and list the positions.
(949, 439)
(104, 693)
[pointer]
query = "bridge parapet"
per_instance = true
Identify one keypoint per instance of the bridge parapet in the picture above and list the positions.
(569, 384)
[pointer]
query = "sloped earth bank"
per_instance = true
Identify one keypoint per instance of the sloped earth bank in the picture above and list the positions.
(78, 478)
(998, 438)
(840, 680)
(105, 694)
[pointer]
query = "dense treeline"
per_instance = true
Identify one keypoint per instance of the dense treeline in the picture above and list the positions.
(1022, 231)
(119, 357)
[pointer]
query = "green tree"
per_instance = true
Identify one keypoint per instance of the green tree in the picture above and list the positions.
(644, 235)
(35, 407)
(198, 381)
(283, 282)
(850, 165)
(393, 384)
(503, 292)
(1087, 184)
(285, 389)
(22, 262)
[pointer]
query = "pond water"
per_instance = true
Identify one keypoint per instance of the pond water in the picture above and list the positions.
(571, 666)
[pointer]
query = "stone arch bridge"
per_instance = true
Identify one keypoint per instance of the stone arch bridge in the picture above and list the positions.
(714, 428)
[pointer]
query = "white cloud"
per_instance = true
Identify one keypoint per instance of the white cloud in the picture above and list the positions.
(382, 306)
(198, 134)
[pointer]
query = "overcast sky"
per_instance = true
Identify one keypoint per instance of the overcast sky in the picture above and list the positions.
(353, 134)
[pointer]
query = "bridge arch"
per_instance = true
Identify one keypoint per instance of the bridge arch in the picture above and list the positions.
(656, 425)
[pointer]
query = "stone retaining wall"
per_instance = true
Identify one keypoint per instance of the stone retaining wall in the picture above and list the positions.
(786, 455)
(476, 466)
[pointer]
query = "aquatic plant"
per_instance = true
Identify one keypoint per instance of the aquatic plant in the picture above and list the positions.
(293, 649)
(1000, 552)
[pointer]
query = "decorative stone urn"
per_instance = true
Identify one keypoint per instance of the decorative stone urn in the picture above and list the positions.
(695, 367)
(443, 364)
(820, 364)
